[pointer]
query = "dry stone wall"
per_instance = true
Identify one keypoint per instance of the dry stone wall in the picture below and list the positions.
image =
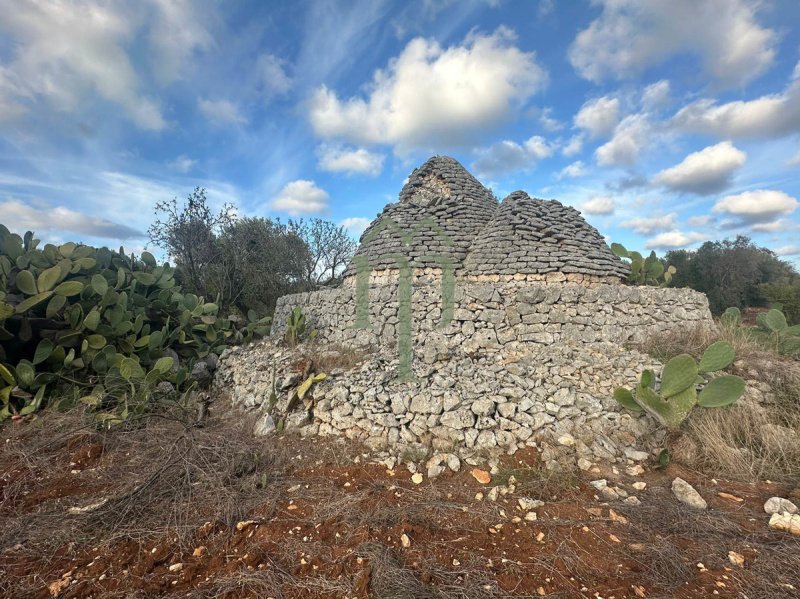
(516, 365)
(493, 315)
(462, 406)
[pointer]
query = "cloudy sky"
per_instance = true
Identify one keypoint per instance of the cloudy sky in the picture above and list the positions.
(666, 123)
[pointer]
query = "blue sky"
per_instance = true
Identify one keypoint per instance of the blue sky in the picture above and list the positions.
(665, 123)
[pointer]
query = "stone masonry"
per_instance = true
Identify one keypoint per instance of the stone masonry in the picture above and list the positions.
(524, 348)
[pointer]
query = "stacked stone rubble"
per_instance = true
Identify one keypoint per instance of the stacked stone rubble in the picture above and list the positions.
(439, 213)
(531, 236)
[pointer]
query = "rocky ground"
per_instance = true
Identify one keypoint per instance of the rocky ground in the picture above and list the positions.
(163, 508)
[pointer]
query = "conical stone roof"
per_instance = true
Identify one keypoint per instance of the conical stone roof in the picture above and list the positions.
(440, 211)
(532, 236)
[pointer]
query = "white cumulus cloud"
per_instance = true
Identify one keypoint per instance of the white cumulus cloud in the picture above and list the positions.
(182, 164)
(573, 146)
(656, 95)
(509, 156)
(651, 224)
(598, 117)
(599, 205)
(347, 160)
(704, 172)
(788, 250)
(758, 206)
(22, 216)
(631, 35)
(433, 94)
(355, 224)
(576, 169)
(768, 116)
(301, 197)
(699, 221)
(222, 112)
(66, 53)
(674, 239)
(630, 138)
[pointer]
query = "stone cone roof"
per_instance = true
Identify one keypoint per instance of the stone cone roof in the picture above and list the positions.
(439, 213)
(532, 236)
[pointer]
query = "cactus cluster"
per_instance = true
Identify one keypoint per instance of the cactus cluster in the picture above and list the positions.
(731, 318)
(296, 327)
(101, 319)
(644, 271)
(671, 401)
(774, 324)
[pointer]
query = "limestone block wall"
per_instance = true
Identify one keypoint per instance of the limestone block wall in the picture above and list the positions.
(498, 314)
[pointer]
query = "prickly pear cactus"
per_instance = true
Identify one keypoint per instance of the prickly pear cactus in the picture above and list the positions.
(677, 395)
(98, 316)
(645, 271)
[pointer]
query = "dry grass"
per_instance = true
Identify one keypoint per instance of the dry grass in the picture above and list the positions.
(537, 482)
(747, 442)
(164, 476)
(390, 578)
(666, 560)
(693, 340)
(334, 357)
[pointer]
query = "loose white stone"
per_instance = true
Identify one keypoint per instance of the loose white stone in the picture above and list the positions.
(686, 493)
(778, 505)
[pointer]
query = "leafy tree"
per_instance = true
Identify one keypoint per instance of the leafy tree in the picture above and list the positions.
(785, 292)
(729, 272)
(247, 263)
(188, 234)
(260, 260)
(330, 249)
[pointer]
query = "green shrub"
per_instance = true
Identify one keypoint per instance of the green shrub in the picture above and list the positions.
(787, 294)
(99, 319)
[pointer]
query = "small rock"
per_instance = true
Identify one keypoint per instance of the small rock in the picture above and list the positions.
(687, 494)
(199, 551)
(639, 485)
(493, 493)
(240, 526)
(632, 500)
(566, 440)
(636, 470)
(526, 503)
(165, 388)
(212, 361)
(584, 464)
(636, 456)
(482, 476)
(453, 462)
(786, 522)
(599, 484)
(176, 567)
(531, 516)
(200, 373)
(737, 559)
(417, 478)
(58, 586)
(405, 541)
(779, 505)
(617, 517)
